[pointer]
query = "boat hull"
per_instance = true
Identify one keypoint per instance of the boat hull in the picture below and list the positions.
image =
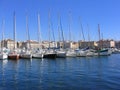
(70, 54)
(3, 56)
(13, 56)
(38, 56)
(26, 56)
(61, 55)
(50, 56)
(103, 53)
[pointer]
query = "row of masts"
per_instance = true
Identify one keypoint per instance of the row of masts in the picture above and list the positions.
(50, 30)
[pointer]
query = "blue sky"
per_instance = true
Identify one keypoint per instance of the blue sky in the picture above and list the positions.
(92, 12)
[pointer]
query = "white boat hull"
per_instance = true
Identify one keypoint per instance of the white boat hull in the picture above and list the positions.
(81, 54)
(90, 54)
(106, 53)
(61, 55)
(72, 54)
(37, 55)
(3, 56)
(26, 56)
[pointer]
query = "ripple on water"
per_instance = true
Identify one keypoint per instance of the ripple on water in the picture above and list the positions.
(101, 73)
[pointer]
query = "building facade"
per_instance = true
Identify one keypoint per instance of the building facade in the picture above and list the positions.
(84, 44)
(30, 44)
(106, 43)
(9, 43)
(47, 44)
(117, 44)
(68, 44)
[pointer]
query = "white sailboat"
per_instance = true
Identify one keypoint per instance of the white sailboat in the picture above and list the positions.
(60, 52)
(26, 54)
(81, 52)
(3, 55)
(70, 52)
(101, 51)
(50, 53)
(39, 53)
(13, 54)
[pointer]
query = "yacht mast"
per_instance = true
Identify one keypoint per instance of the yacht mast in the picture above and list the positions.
(62, 34)
(82, 30)
(39, 34)
(99, 36)
(59, 37)
(69, 26)
(27, 32)
(49, 29)
(2, 45)
(88, 36)
(14, 29)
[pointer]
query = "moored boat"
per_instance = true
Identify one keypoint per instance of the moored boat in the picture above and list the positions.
(13, 56)
(3, 56)
(61, 54)
(70, 53)
(26, 55)
(38, 55)
(103, 52)
(50, 54)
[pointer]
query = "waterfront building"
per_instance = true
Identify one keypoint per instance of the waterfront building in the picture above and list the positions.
(106, 43)
(9, 43)
(117, 44)
(30, 44)
(60, 44)
(47, 44)
(84, 44)
(74, 45)
(68, 44)
(19, 45)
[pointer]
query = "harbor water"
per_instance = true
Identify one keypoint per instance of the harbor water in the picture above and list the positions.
(80, 73)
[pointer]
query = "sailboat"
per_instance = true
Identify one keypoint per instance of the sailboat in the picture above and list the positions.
(26, 54)
(13, 54)
(3, 55)
(50, 53)
(101, 51)
(70, 52)
(82, 52)
(89, 51)
(60, 52)
(39, 53)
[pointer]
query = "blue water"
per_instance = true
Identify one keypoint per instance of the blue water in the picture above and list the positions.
(90, 73)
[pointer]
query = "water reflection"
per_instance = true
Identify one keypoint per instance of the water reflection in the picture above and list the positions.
(41, 69)
(14, 69)
(70, 73)
(3, 67)
(27, 72)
